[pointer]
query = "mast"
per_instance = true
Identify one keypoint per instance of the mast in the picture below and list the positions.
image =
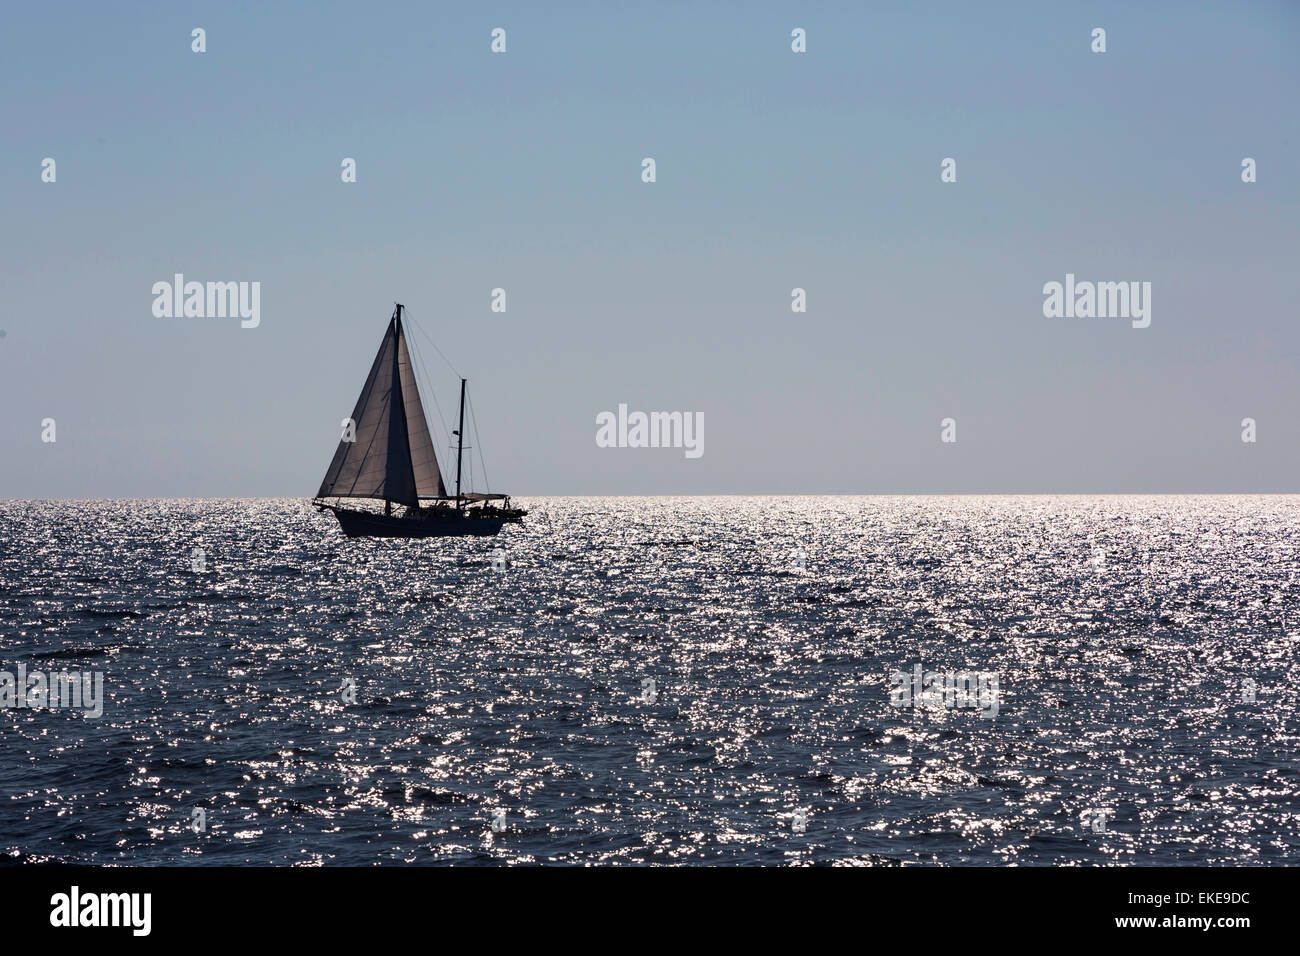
(397, 378)
(460, 440)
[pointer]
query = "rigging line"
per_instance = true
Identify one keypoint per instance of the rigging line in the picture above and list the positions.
(433, 392)
(420, 329)
(487, 485)
(442, 418)
(428, 379)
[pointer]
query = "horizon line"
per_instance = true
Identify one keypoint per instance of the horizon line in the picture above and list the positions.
(735, 494)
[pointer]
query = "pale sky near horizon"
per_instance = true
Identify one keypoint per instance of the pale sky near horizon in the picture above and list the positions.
(775, 170)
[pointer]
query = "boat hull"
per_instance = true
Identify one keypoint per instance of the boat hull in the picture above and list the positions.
(368, 524)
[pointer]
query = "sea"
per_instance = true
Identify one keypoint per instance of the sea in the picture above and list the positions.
(858, 681)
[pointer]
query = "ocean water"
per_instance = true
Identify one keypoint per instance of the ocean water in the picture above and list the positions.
(1144, 652)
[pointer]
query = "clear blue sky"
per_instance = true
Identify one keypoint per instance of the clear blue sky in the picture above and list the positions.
(775, 170)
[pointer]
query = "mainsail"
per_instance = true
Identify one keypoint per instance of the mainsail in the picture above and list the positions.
(392, 455)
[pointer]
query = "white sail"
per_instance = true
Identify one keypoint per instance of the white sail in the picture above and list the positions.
(392, 455)
(424, 463)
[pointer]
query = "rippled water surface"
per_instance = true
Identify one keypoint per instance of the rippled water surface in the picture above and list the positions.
(1126, 635)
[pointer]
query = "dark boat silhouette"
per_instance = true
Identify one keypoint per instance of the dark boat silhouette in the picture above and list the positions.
(388, 456)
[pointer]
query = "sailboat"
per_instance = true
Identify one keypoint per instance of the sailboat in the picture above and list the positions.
(388, 456)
